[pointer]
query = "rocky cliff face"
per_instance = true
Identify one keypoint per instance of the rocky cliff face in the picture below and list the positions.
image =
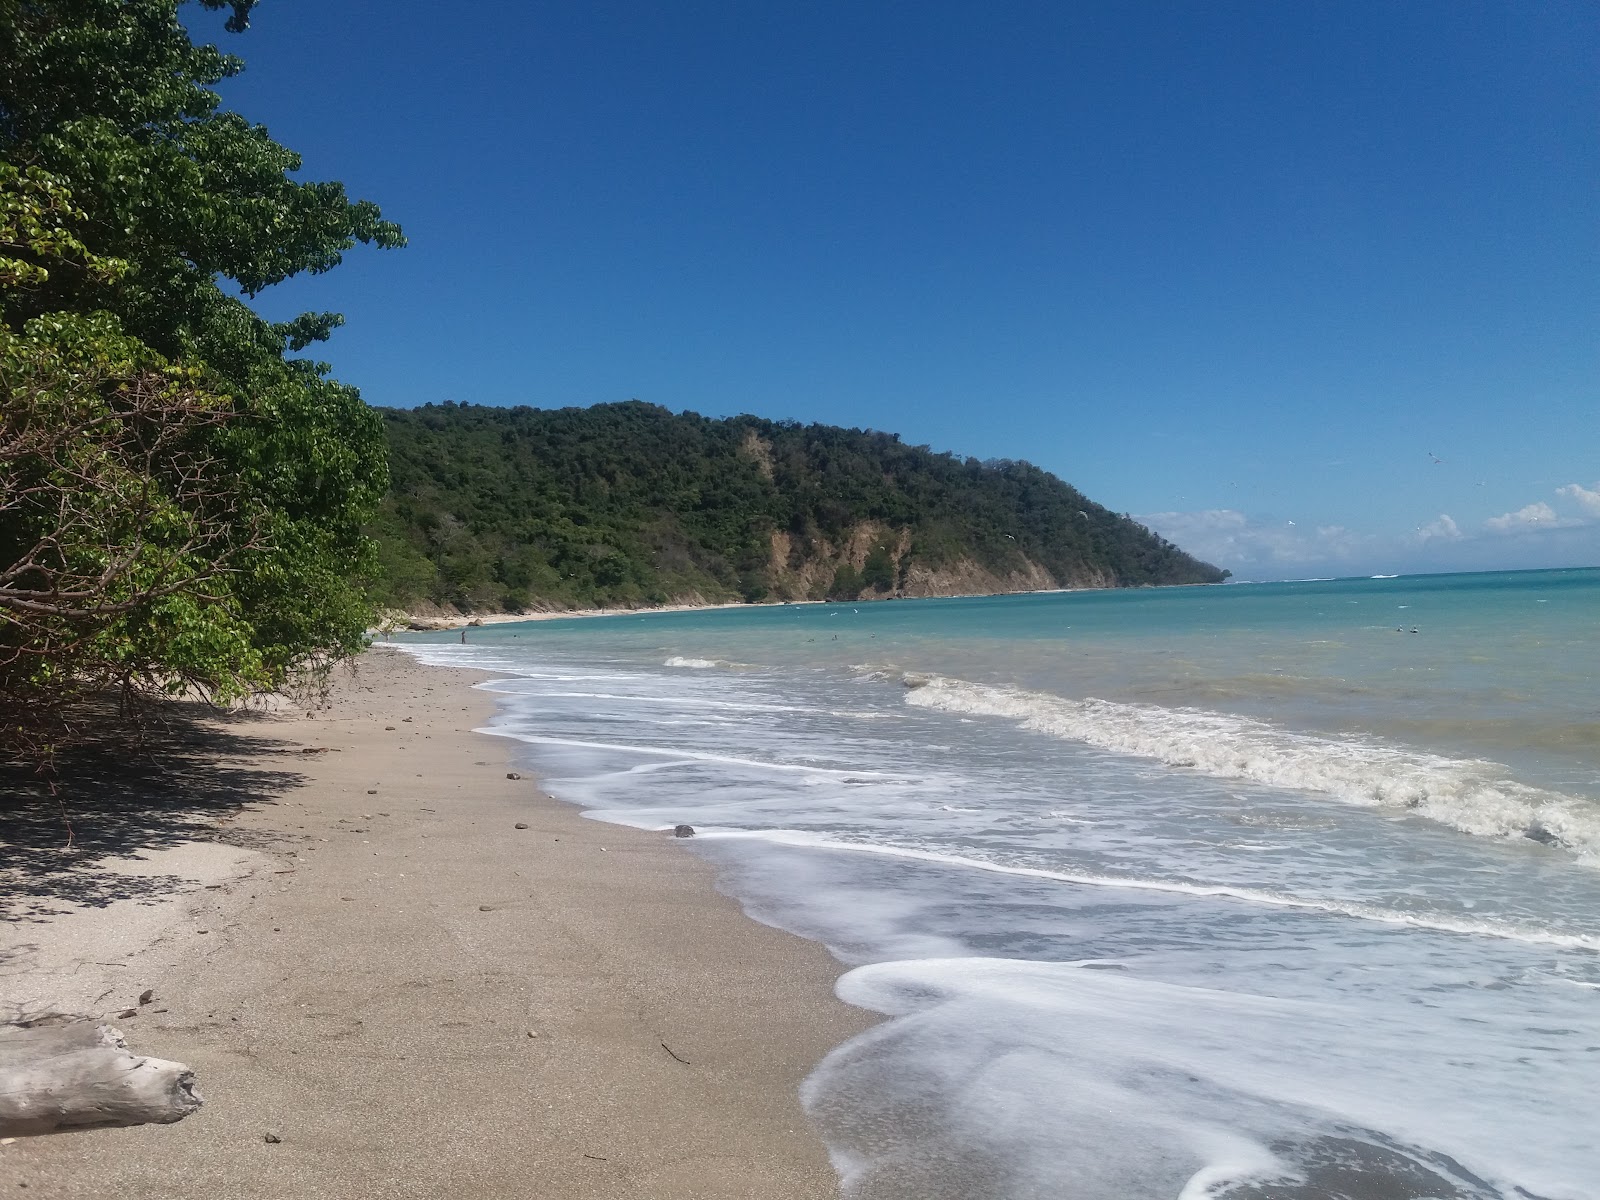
(805, 569)
(967, 578)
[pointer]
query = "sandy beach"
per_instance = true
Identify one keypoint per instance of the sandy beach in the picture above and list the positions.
(454, 621)
(352, 940)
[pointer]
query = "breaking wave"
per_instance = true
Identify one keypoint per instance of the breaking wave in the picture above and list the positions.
(1473, 796)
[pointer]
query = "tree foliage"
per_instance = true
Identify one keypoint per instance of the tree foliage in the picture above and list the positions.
(119, 527)
(630, 504)
(184, 498)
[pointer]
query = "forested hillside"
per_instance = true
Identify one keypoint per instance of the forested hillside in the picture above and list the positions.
(630, 504)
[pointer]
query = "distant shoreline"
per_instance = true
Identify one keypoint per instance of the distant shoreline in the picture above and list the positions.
(432, 623)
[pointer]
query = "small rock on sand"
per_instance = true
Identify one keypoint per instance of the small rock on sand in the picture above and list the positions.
(485, 908)
(520, 825)
(683, 831)
(271, 1139)
(512, 775)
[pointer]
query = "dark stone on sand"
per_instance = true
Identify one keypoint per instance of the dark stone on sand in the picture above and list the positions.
(520, 825)
(126, 1013)
(485, 908)
(271, 1139)
(512, 775)
(683, 831)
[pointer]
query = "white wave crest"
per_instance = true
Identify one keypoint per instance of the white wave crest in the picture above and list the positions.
(1472, 796)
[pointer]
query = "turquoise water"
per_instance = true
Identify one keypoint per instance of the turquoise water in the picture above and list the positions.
(1502, 662)
(1259, 891)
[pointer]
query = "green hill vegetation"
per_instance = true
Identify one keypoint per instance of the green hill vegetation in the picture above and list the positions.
(630, 505)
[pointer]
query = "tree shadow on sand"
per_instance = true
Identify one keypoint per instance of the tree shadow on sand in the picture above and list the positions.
(121, 792)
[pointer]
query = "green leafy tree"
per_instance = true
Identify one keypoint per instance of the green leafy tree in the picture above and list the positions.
(878, 571)
(846, 584)
(136, 213)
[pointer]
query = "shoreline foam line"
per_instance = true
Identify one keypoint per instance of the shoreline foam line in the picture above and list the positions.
(799, 839)
(681, 701)
(688, 755)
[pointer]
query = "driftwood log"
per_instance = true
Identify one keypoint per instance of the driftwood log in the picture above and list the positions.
(81, 1075)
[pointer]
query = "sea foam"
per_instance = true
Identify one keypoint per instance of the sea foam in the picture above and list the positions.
(1473, 796)
(1436, 922)
(1134, 1086)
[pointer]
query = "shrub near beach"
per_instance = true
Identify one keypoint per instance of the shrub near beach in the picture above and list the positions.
(181, 496)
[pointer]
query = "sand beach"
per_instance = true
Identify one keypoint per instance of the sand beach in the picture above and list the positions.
(421, 975)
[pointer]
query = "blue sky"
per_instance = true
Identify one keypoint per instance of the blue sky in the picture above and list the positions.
(1244, 270)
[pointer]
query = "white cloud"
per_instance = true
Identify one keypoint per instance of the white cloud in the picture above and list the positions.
(1540, 516)
(1536, 535)
(1540, 534)
(1537, 515)
(1229, 538)
(1444, 529)
(1588, 499)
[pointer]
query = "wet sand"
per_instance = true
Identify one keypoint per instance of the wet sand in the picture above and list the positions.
(363, 956)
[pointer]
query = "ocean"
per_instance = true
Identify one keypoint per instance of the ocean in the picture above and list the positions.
(1280, 891)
